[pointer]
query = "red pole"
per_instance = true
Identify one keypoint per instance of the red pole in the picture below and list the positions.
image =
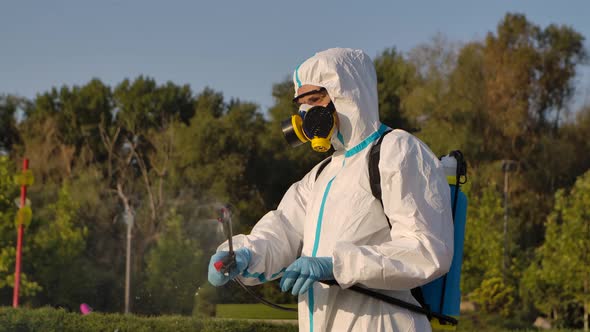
(19, 239)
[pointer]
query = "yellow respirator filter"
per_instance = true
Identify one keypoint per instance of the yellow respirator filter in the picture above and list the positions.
(317, 126)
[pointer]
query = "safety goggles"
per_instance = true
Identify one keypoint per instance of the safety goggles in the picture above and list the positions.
(321, 92)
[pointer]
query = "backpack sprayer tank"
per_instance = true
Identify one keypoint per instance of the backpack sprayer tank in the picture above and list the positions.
(443, 295)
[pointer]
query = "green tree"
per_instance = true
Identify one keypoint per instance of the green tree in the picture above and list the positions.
(463, 121)
(76, 112)
(56, 247)
(139, 145)
(529, 77)
(396, 77)
(9, 106)
(142, 104)
(218, 153)
(101, 265)
(173, 269)
(427, 103)
(574, 136)
(51, 160)
(483, 248)
(563, 265)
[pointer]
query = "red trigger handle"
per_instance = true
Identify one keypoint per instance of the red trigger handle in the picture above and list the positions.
(218, 265)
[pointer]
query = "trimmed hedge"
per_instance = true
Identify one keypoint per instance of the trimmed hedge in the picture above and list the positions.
(48, 319)
(254, 311)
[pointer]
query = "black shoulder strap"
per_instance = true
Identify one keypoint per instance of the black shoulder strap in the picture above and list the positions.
(323, 165)
(374, 174)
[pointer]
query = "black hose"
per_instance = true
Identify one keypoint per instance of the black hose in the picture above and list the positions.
(260, 299)
(397, 302)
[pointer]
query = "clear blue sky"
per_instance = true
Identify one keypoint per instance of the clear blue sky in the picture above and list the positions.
(240, 48)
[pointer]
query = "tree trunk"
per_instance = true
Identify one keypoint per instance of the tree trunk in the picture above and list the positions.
(586, 314)
(586, 304)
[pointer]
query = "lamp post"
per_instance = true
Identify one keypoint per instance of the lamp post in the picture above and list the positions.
(507, 167)
(129, 218)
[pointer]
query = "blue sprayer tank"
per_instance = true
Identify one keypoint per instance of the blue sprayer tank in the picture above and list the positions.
(443, 295)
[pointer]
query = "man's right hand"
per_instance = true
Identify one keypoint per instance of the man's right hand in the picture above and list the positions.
(216, 277)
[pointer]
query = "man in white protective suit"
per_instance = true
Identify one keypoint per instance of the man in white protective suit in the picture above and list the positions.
(333, 228)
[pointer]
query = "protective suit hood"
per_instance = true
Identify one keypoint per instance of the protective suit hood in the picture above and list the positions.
(351, 81)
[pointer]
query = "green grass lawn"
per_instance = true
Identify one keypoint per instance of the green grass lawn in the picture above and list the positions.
(254, 311)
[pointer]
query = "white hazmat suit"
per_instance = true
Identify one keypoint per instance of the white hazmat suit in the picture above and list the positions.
(337, 216)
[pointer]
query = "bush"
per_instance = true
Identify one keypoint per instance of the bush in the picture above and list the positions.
(58, 320)
(494, 296)
(205, 301)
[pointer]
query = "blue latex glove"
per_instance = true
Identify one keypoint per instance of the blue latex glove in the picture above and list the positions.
(304, 272)
(217, 278)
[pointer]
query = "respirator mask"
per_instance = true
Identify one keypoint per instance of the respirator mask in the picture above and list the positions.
(316, 125)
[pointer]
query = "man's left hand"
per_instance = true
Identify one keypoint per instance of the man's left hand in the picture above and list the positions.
(304, 272)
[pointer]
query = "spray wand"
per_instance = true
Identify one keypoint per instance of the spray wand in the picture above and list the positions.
(228, 262)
